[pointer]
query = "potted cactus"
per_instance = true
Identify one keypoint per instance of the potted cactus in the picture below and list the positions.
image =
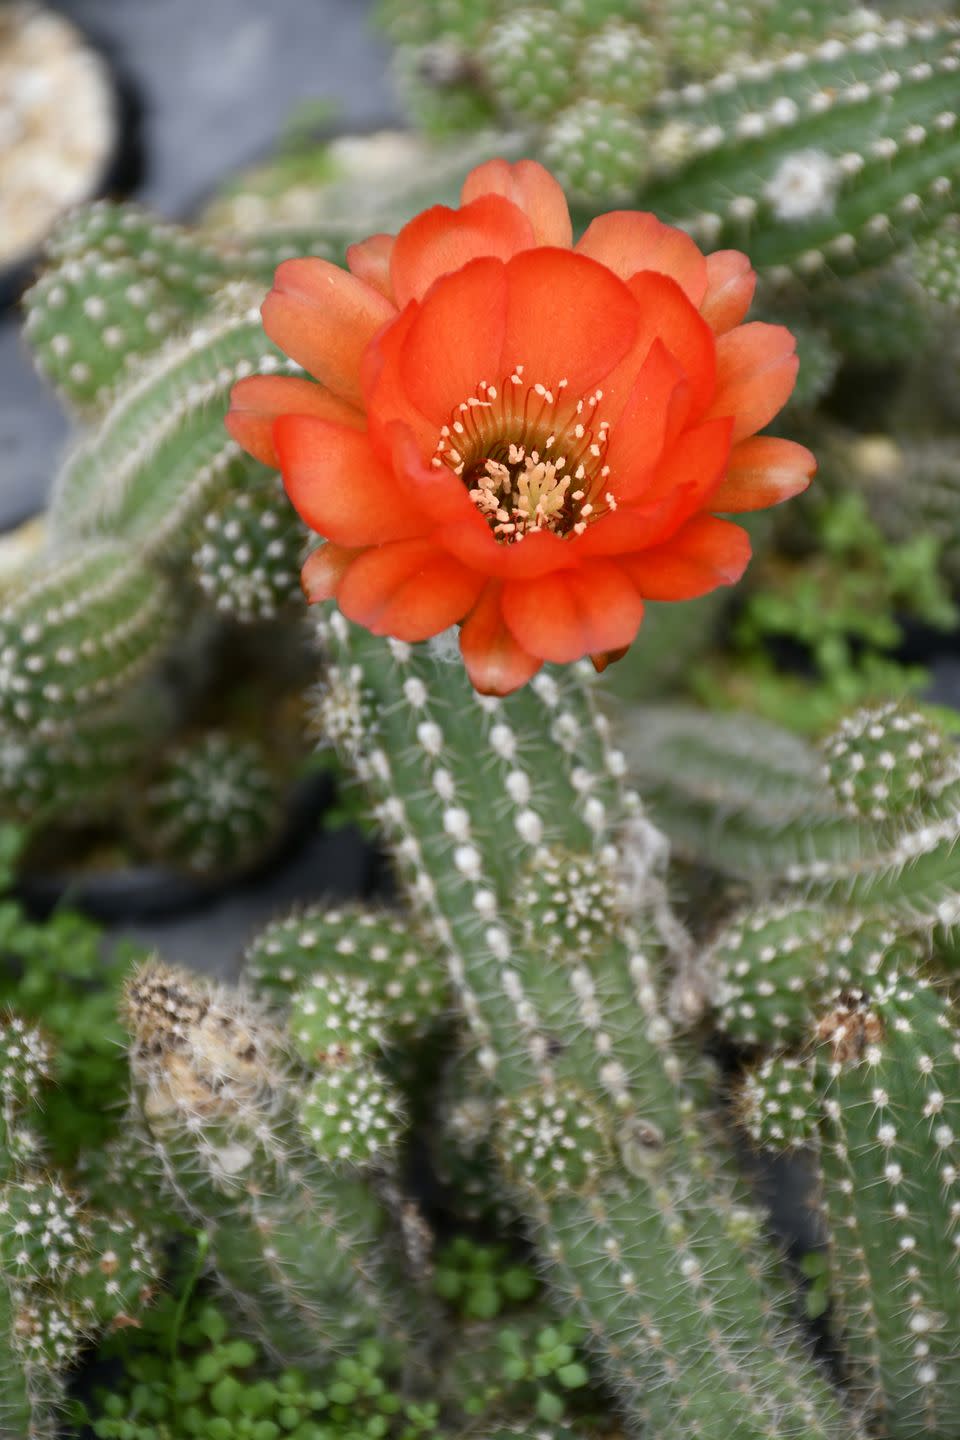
(629, 949)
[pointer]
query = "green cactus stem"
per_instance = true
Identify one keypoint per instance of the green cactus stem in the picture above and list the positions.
(647, 1241)
(301, 1252)
(159, 459)
(817, 161)
(399, 966)
(878, 1097)
(77, 635)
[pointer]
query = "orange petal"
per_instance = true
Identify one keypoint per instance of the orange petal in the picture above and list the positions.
(324, 318)
(369, 260)
(567, 318)
(645, 424)
(627, 241)
(495, 662)
(685, 480)
(440, 240)
(257, 401)
(572, 613)
(665, 314)
(385, 396)
(323, 570)
(764, 471)
(706, 553)
(730, 285)
(339, 487)
(409, 589)
(756, 372)
(532, 189)
(471, 540)
(454, 341)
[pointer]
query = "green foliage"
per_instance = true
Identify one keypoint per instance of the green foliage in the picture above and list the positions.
(479, 1281)
(200, 1379)
(58, 973)
(839, 600)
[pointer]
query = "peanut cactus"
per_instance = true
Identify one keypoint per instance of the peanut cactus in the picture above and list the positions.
(870, 1091)
(300, 1249)
(818, 140)
(66, 1271)
(625, 1190)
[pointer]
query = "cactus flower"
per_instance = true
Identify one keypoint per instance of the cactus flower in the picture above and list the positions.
(520, 435)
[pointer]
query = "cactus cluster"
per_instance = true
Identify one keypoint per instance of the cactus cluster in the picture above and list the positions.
(524, 1023)
(825, 139)
(68, 1271)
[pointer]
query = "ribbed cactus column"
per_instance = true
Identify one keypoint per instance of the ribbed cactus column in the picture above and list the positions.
(504, 818)
(300, 1250)
(159, 460)
(870, 825)
(77, 635)
(821, 160)
(879, 1097)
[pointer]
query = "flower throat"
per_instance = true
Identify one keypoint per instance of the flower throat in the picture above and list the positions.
(531, 457)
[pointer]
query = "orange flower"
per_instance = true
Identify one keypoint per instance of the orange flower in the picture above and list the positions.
(520, 435)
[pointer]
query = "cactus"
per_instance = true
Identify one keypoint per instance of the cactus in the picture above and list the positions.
(400, 968)
(248, 561)
(76, 636)
(869, 825)
(817, 141)
(300, 1250)
(213, 805)
(874, 1096)
(159, 458)
(66, 1271)
(117, 282)
(834, 163)
(642, 1233)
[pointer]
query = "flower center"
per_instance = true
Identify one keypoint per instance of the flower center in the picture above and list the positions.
(531, 457)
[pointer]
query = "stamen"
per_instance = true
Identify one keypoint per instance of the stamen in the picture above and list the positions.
(519, 463)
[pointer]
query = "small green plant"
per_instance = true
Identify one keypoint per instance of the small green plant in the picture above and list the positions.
(479, 1281)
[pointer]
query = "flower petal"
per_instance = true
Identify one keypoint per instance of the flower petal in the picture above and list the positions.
(323, 570)
(369, 260)
(706, 553)
(339, 487)
(409, 589)
(440, 240)
(665, 314)
(684, 480)
(473, 542)
(454, 341)
(756, 372)
(731, 282)
(647, 422)
(570, 613)
(627, 241)
(324, 318)
(384, 392)
(532, 189)
(257, 401)
(567, 318)
(495, 662)
(764, 471)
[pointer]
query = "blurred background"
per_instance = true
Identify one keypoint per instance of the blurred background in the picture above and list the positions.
(197, 89)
